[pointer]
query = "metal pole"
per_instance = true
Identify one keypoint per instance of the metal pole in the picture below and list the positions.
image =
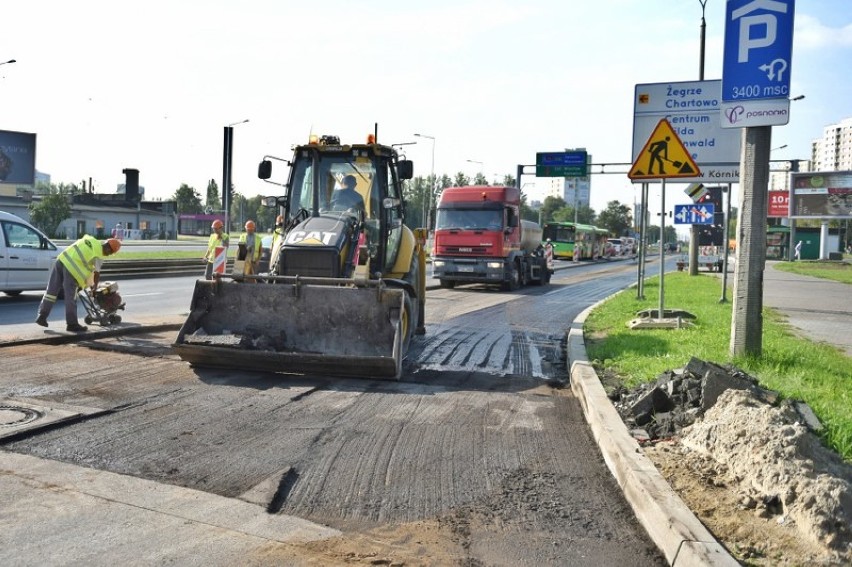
(643, 228)
(226, 174)
(725, 240)
(693, 230)
(432, 189)
(661, 313)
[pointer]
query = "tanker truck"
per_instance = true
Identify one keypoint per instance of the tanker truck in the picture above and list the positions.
(480, 238)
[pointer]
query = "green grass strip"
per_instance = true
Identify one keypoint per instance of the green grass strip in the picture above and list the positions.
(797, 368)
(837, 271)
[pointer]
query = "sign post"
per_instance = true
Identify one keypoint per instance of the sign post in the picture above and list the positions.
(663, 156)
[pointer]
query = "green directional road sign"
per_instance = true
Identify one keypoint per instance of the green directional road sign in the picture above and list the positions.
(561, 164)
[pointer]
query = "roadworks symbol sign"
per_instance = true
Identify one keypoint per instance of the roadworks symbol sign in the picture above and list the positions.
(664, 156)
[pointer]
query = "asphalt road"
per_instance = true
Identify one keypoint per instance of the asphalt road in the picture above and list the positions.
(480, 433)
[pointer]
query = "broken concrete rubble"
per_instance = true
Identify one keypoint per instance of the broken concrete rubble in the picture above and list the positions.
(679, 397)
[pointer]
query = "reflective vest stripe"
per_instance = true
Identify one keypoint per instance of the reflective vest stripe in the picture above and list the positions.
(79, 264)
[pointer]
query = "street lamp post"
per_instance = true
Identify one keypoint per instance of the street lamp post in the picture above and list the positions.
(427, 213)
(227, 158)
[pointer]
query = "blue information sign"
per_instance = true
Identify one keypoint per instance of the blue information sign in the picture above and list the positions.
(699, 213)
(561, 164)
(758, 48)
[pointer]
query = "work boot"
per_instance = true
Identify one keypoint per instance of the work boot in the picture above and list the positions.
(76, 328)
(41, 320)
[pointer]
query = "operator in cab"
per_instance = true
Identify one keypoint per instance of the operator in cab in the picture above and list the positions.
(347, 197)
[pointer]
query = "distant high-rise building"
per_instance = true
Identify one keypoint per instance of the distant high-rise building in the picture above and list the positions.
(833, 152)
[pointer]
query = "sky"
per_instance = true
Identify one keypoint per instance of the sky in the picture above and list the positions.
(109, 85)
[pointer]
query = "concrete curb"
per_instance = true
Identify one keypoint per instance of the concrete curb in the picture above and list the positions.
(679, 535)
(94, 332)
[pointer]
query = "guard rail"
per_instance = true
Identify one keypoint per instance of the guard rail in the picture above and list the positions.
(155, 268)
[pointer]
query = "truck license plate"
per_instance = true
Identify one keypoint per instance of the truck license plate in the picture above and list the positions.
(465, 268)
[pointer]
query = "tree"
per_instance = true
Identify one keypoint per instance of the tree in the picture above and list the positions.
(461, 180)
(48, 213)
(239, 209)
(214, 199)
(414, 192)
(480, 179)
(616, 218)
(585, 214)
(551, 204)
(188, 200)
(263, 216)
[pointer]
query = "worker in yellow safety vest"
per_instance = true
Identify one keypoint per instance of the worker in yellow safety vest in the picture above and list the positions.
(76, 267)
(218, 238)
(279, 230)
(252, 242)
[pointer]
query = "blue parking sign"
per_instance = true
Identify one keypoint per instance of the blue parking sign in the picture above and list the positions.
(758, 49)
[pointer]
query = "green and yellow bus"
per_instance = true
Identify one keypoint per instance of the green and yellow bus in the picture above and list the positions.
(566, 237)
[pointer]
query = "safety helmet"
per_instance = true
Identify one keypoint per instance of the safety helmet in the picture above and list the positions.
(250, 225)
(217, 224)
(279, 219)
(114, 244)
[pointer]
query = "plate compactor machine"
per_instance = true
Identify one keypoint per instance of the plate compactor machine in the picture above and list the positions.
(346, 288)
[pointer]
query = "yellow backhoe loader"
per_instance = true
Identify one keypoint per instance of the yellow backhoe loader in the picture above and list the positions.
(346, 288)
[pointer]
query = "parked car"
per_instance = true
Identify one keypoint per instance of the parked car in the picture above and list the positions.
(26, 256)
(614, 246)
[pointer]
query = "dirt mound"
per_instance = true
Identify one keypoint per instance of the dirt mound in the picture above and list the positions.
(749, 465)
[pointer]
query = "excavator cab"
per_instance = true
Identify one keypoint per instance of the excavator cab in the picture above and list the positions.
(346, 291)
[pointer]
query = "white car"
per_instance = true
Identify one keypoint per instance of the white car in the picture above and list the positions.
(615, 246)
(26, 256)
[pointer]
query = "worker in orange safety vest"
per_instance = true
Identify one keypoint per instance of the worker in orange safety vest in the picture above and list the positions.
(218, 238)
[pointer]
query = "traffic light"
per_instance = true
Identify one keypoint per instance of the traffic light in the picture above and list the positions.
(713, 235)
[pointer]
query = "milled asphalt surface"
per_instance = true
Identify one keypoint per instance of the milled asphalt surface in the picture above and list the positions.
(152, 518)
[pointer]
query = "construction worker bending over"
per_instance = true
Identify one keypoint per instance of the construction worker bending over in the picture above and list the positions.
(76, 267)
(217, 238)
(252, 242)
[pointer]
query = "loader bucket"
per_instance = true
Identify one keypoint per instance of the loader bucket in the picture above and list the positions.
(295, 328)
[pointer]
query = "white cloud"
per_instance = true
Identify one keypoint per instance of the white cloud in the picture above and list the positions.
(810, 33)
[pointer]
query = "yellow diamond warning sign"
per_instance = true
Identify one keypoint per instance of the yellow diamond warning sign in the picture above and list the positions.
(664, 156)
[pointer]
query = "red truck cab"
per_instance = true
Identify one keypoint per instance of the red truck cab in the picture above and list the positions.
(480, 238)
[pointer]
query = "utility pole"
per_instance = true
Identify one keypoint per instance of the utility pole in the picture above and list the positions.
(693, 231)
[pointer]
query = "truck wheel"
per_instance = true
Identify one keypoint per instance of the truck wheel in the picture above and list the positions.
(514, 281)
(447, 284)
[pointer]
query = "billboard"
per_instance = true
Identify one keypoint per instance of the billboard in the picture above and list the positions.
(779, 204)
(821, 194)
(17, 157)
